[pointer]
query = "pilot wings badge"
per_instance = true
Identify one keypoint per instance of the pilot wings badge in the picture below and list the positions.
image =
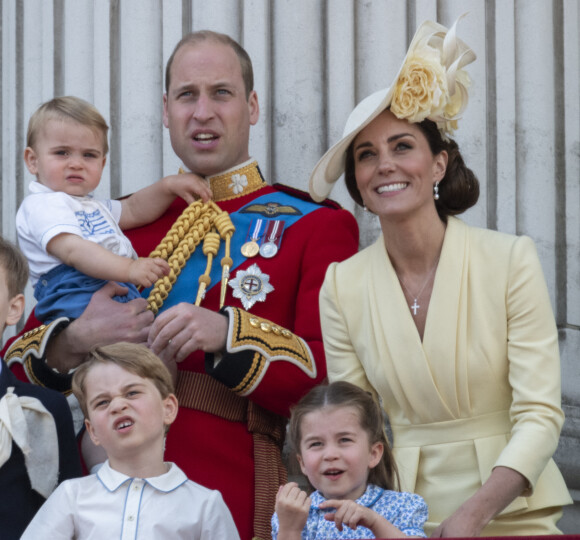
(251, 286)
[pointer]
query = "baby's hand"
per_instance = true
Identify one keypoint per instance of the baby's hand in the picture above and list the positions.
(145, 271)
(349, 513)
(292, 507)
(188, 186)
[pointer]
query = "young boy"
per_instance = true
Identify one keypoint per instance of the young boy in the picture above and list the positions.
(74, 242)
(37, 442)
(126, 394)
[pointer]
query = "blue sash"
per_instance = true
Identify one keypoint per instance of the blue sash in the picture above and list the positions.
(185, 288)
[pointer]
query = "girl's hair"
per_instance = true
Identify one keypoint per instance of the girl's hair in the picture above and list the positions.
(136, 359)
(459, 188)
(67, 108)
(345, 394)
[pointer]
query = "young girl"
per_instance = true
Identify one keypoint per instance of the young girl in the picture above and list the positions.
(338, 434)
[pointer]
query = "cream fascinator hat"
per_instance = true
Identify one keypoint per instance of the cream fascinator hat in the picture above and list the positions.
(430, 84)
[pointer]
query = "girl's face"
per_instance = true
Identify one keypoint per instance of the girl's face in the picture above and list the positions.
(394, 167)
(335, 452)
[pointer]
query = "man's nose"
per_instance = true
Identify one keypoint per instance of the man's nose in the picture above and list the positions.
(203, 108)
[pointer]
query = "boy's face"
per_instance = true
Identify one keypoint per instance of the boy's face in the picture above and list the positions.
(11, 308)
(68, 157)
(126, 414)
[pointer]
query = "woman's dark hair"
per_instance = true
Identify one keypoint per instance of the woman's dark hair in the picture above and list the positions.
(459, 188)
(345, 394)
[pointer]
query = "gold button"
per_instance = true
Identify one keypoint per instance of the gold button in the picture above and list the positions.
(254, 322)
(286, 333)
(266, 327)
(276, 329)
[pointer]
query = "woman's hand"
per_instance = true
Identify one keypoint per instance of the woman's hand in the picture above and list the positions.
(501, 488)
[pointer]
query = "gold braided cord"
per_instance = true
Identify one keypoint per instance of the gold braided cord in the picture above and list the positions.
(197, 221)
(211, 244)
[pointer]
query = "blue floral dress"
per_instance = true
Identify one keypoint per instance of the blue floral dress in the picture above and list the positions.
(406, 511)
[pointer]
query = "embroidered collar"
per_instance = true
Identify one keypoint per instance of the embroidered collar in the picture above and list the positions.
(113, 480)
(368, 498)
(237, 181)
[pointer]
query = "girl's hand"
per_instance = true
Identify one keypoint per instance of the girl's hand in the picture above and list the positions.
(292, 507)
(349, 513)
(188, 186)
(353, 515)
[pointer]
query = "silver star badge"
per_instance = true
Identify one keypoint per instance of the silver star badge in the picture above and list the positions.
(251, 286)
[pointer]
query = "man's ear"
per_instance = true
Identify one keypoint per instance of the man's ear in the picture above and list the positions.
(165, 112)
(31, 160)
(15, 309)
(254, 108)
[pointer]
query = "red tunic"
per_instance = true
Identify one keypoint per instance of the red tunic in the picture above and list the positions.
(218, 452)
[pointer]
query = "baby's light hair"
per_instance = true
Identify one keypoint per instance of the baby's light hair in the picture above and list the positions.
(344, 394)
(67, 108)
(136, 359)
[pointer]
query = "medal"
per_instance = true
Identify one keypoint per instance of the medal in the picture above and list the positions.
(268, 250)
(251, 286)
(251, 248)
(273, 234)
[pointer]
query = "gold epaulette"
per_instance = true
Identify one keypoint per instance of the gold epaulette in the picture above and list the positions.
(257, 342)
(30, 351)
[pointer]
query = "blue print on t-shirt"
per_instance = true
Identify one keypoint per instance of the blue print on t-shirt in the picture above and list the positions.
(93, 223)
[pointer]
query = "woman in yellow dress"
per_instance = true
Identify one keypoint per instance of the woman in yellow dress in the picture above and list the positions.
(450, 325)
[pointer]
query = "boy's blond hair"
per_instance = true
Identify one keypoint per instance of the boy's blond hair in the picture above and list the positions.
(15, 267)
(136, 359)
(67, 108)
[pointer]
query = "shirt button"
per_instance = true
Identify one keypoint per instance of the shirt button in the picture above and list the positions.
(131, 518)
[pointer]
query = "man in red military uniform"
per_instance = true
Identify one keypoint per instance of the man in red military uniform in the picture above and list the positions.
(241, 367)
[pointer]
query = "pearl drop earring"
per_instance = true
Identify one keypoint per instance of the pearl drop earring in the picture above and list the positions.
(436, 191)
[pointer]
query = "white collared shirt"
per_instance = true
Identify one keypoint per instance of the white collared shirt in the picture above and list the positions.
(112, 505)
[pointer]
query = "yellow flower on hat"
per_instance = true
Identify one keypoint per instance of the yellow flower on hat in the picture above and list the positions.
(431, 83)
(421, 90)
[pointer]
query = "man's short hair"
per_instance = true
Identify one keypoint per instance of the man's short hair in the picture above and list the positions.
(67, 108)
(202, 36)
(136, 359)
(15, 267)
